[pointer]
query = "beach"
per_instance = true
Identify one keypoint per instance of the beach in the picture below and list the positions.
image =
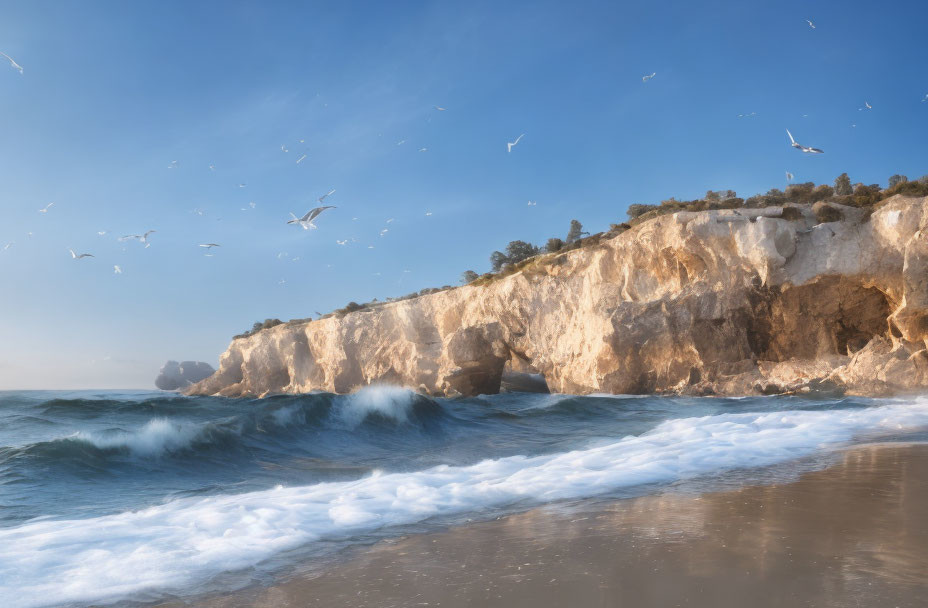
(853, 534)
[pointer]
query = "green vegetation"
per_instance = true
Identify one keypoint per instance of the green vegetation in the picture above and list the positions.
(258, 326)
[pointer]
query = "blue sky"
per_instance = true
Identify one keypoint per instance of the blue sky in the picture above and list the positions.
(113, 92)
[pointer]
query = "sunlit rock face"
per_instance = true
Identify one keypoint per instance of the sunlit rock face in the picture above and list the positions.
(732, 302)
(174, 375)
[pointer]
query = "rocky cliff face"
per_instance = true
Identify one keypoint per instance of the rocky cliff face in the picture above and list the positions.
(728, 302)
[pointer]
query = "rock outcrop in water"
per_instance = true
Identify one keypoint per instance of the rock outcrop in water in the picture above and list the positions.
(174, 375)
(728, 302)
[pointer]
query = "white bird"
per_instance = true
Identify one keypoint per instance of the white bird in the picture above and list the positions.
(101, 232)
(45, 210)
(13, 64)
(327, 194)
(533, 203)
(428, 213)
(799, 146)
(752, 114)
(173, 165)
(648, 77)
(283, 148)
(8, 245)
(867, 106)
(117, 269)
(422, 149)
(812, 25)
(384, 231)
(143, 238)
(301, 159)
(511, 144)
(345, 242)
(212, 167)
(789, 176)
(210, 245)
(389, 220)
(440, 109)
(925, 98)
(307, 220)
(281, 282)
(370, 246)
(242, 185)
(401, 142)
(74, 256)
(251, 205)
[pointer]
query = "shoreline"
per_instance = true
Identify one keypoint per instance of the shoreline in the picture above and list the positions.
(792, 543)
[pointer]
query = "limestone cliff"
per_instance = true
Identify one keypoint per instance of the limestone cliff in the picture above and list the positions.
(728, 302)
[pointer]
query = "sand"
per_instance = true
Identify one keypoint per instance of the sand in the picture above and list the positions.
(854, 534)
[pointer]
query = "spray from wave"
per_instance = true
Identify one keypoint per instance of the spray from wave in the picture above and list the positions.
(171, 545)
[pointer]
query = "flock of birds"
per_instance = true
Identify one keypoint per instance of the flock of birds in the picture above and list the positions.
(307, 220)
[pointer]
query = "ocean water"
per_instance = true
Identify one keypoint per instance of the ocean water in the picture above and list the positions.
(137, 496)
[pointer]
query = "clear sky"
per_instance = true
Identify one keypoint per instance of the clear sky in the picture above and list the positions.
(113, 92)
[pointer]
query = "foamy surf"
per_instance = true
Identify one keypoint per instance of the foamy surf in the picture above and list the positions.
(169, 547)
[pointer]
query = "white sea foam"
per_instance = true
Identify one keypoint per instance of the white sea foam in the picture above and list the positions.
(175, 544)
(158, 437)
(391, 402)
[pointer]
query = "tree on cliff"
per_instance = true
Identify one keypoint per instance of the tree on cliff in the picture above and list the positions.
(843, 185)
(897, 179)
(554, 244)
(575, 232)
(468, 276)
(516, 251)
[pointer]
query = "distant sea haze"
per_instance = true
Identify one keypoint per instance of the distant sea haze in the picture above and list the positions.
(161, 493)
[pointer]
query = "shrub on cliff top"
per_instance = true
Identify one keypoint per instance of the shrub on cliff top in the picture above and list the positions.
(258, 326)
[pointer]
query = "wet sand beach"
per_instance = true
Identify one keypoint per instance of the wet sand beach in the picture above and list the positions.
(853, 534)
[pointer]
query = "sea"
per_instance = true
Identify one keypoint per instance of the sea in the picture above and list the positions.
(137, 497)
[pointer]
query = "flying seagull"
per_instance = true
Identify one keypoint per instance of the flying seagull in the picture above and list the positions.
(867, 106)
(648, 77)
(812, 25)
(212, 167)
(428, 213)
(8, 245)
(74, 256)
(327, 194)
(45, 210)
(173, 165)
(307, 220)
(210, 245)
(533, 203)
(143, 238)
(422, 149)
(301, 159)
(789, 176)
(13, 64)
(440, 109)
(345, 242)
(242, 185)
(117, 269)
(799, 146)
(511, 144)
(283, 148)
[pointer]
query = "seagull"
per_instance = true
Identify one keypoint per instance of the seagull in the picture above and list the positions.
(8, 245)
(345, 242)
(143, 238)
(13, 64)
(747, 115)
(74, 256)
(173, 165)
(789, 176)
(323, 197)
(117, 269)
(307, 220)
(511, 144)
(648, 77)
(867, 106)
(45, 210)
(101, 232)
(283, 148)
(251, 205)
(212, 167)
(389, 220)
(533, 203)
(210, 245)
(401, 142)
(799, 146)
(384, 231)
(812, 25)
(925, 98)
(242, 185)
(301, 159)
(440, 109)
(422, 149)
(428, 213)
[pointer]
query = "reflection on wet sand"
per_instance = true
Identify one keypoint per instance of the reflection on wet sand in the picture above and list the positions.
(854, 534)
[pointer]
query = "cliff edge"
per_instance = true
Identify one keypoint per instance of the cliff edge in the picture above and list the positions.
(729, 302)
